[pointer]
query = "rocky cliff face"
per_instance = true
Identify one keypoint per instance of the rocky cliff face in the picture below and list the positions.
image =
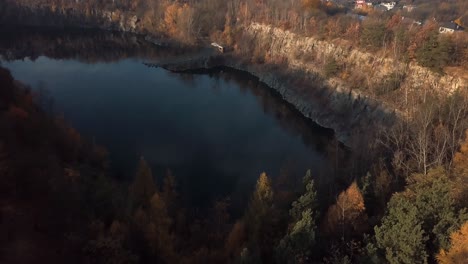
(332, 103)
(344, 111)
(375, 68)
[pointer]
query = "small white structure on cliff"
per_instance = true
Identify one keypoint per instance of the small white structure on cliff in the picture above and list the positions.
(218, 47)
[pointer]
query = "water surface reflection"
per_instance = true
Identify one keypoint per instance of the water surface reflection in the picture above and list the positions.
(216, 132)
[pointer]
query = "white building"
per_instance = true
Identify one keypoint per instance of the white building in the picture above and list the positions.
(389, 5)
(360, 4)
(449, 28)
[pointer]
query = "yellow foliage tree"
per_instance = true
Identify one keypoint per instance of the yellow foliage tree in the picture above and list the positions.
(458, 252)
(179, 21)
(460, 171)
(235, 239)
(460, 161)
(259, 217)
(142, 188)
(170, 18)
(263, 190)
(158, 229)
(311, 4)
(347, 212)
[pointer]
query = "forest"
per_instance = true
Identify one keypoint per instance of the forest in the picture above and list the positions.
(61, 203)
(404, 198)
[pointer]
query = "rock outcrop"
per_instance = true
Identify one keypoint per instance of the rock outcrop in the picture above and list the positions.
(376, 67)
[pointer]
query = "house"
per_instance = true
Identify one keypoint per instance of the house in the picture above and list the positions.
(360, 4)
(449, 28)
(409, 8)
(389, 5)
(410, 22)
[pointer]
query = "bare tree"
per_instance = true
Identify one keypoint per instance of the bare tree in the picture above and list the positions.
(430, 135)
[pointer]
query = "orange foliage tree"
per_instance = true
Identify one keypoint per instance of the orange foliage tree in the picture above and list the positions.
(460, 161)
(348, 212)
(143, 187)
(235, 239)
(179, 21)
(460, 171)
(170, 18)
(311, 4)
(458, 252)
(157, 230)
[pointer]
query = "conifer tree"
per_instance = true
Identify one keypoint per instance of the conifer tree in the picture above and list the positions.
(308, 200)
(419, 219)
(401, 234)
(296, 246)
(143, 187)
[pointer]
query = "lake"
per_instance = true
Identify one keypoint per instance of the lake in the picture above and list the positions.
(215, 132)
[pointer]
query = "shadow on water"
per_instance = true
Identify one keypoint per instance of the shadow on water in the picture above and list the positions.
(288, 117)
(84, 45)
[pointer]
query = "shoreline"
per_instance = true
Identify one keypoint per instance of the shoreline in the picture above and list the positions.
(344, 127)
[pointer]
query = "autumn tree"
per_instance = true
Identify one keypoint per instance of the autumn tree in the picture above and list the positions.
(460, 172)
(179, 21)
(263, 195)
(169, 193)
(296, 246)
(158, 230)
(171, 18)
(143, 187)
(348, 213)
(109, 245)
(258, 219)
(311, 4)
(458, 251)
(235, 240)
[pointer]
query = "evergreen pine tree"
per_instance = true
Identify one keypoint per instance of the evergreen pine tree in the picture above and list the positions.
(296, 246)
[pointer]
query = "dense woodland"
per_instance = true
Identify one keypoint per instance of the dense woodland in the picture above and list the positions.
(59, 203)
(404, 198)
